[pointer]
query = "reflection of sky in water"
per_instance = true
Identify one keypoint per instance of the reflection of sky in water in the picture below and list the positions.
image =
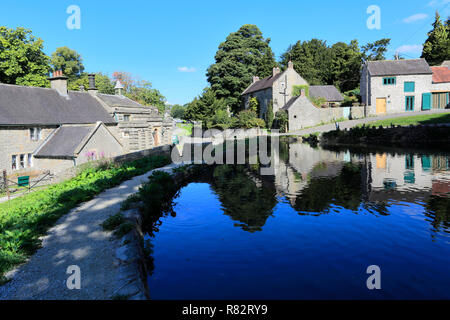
(310, 231)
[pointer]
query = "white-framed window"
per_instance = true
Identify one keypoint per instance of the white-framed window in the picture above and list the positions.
(126, 134)
(126, 118)
(35, 134)
(30, 160)
(14, 162)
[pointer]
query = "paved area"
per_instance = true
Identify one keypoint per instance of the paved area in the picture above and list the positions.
(353, 123)
(76, 239)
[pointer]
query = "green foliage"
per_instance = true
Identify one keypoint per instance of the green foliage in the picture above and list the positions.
(297, 90)
(282, 120)
(124, 229)
(319, 102)
(254, 105)
(69, 61)
(221, 120)
(350, 97)
(249, 119)
(178, 112)
(24, 220)
(204, 107)
(376, 50)
(103, 83)
(436, 48)
(270, 116)
(345, 65)
(22, 60)
(244, 54)
(113, 222)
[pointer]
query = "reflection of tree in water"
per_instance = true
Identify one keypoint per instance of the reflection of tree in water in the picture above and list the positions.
(438, 210)
(322, 192)
(241, 198)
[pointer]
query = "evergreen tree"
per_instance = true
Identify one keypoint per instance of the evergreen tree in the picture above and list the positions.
(244, 54)
(436, 48)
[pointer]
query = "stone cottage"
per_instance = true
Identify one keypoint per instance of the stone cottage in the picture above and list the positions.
(279, 89)
(55, 129)
(395, 86)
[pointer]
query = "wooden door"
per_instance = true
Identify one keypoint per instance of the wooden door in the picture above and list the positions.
(381, 105)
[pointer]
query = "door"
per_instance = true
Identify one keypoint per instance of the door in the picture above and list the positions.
(426, 101)
(409, 103)
(381, 105)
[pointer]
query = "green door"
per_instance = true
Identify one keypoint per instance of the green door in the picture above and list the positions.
(426, 101)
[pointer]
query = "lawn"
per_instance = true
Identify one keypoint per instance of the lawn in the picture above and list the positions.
(25, 219)
(413, 120)
(187, 128)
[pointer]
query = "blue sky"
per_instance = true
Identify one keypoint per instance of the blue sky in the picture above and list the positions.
(172, 43)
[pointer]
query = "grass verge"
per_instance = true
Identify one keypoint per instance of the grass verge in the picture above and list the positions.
(24, 220)
(440, 118)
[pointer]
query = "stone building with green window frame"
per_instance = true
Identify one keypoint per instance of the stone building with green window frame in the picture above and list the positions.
(396, 86)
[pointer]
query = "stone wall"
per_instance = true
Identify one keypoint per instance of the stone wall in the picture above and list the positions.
(288, 79)
(356, 112)
(303, 114)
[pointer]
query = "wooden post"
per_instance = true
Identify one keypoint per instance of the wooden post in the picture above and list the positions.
(5, 180)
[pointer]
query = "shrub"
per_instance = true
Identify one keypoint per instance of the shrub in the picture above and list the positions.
(113, 222)
(248, 119)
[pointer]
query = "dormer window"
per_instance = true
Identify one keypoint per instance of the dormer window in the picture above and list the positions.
(35, 134)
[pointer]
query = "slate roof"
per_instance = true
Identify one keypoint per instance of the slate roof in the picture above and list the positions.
(118, 101)
(262, 84)
(64, 142)
(21, 105)
(328, 92)
(290, 103)
(398, 67)
(441, 74)
(446, 64)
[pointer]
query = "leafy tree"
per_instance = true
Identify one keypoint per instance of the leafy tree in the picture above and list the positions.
(282, 120)
(254, 104)
(376, 50)
(22, 60)
(436, 48)
(204, 107)
(177, 111)
(345, 65)
(221, 120)
(249, 119)
(244, 54)
(311, 60)
(69, 61)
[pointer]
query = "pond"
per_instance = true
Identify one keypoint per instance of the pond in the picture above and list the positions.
(310, 230)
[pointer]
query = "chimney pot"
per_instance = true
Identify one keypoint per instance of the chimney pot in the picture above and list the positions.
(92, 89)
(290, 65)
(59, 83)
(276, 71)
(302, 93)
(255, 79)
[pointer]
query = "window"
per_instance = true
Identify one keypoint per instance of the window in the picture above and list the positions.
(35, 134)
(126, 134)
(30, 161)
(126, 117)
(409, 104)
(22, 161)
(389, 81)
(409, 162)
(14, 162)
(410, 86)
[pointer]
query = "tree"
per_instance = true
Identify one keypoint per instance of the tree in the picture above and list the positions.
(311, 60)
(204, 107)
(177, 111)
(254, 104)
(436, 48)
(69, 61)
(270, 115)
(345, 65)
(376, 50)
(244, 54)
(22, 60)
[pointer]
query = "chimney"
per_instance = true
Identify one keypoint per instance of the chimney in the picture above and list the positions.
(276, 71)
(59, 83)
(92, 89)
(255, 79)
(118, 88)
(290, 65)
(302, 93)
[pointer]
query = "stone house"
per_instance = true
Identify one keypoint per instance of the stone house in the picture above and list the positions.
(396, 86)
(279, 89)
(55, 129)
(440, 88)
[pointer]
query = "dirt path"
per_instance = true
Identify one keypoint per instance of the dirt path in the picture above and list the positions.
(76, 239)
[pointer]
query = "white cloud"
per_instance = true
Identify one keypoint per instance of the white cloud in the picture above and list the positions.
(435, 3)
(415, 17)
(186, 69)
(410, 48)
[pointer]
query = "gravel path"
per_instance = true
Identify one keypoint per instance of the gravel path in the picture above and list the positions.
(76, 239)
(353, 123)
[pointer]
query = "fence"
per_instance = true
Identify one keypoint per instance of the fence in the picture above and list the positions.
(23, 184)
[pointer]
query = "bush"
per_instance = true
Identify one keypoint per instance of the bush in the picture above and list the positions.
(282, 120)
(113, 222)
(248, 119)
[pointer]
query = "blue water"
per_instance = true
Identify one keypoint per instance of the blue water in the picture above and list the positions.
(280, 248)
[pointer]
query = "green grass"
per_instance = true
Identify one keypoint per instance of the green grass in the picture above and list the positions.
(23, 220)
(187, 128)
(413, 120)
